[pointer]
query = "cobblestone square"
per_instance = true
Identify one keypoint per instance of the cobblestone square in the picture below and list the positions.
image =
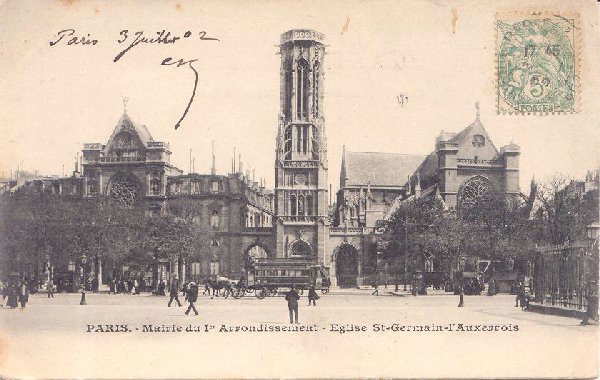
(377, 336)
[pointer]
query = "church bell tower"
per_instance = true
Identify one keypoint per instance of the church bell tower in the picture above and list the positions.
(301, 207)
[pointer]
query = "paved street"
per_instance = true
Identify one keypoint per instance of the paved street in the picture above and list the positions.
(50, 339)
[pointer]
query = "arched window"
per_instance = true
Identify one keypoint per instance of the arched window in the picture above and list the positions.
(125, 187)
(257, 252)
(214, 219)
(300, 248)
(302, 84)
(473, 191)
(293, 204)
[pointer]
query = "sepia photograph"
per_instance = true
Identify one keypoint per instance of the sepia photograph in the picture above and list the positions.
(299, 189)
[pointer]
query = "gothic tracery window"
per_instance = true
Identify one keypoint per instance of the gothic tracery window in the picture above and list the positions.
(473, 191)
(125, 188)
(302, 85)
(300, 248)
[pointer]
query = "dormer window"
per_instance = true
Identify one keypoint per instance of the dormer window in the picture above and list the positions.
(214, 186)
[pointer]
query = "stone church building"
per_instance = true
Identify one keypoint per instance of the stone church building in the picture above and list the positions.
(295, 220)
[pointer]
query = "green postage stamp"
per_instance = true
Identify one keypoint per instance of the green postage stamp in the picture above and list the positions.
(537, 63)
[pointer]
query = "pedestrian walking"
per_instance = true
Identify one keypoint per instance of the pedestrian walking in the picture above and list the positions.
(12, 293)
(292, 298)
(50, 289)
(134, 287)
(184, 290)
(376, 286)
(161, 288)
(174, 291)
(461, 297)
(24, 294)
(192, 296)
(312, 295)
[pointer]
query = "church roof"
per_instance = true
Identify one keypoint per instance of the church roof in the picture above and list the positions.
(125, 123)
(378, 169)
(467, 149)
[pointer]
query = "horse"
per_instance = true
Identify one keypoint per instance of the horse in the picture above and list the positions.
(218, 284)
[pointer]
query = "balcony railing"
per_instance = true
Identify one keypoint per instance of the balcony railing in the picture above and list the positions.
(92, 146)
(268, 229)
(158, 144)
(114, 159)
(301, 164)
(475, 161)
(447, 144)
(299, 218)
(351, 230)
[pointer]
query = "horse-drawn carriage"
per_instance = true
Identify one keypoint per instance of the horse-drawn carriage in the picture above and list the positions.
(266, 276)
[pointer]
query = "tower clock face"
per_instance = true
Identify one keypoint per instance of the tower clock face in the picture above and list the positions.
(478, 141)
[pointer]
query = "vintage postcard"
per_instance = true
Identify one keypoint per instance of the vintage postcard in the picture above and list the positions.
(299, 189)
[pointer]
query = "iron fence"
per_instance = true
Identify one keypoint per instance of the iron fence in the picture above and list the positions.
(565, 276)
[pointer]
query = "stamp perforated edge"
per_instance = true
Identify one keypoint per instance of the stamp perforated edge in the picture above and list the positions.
(577, 45)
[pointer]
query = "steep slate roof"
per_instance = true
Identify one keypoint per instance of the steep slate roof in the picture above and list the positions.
(124, 124)
(466, 148)
(379, 169)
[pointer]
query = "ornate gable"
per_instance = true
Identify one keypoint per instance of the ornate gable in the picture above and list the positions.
(128, 138)
(474, 142)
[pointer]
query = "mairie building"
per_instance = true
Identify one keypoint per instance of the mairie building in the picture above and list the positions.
(295, 219)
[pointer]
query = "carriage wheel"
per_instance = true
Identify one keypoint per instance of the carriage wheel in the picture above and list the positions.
(325, 290)
(260, 293)
(238, 293)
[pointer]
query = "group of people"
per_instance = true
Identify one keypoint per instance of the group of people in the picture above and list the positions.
(190, 291)
(131, 286)
(15, 292)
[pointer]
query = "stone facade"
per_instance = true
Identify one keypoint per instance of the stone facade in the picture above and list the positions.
(294, 220)
(301, 195)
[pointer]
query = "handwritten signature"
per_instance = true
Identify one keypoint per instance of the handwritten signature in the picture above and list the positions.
(164, 37)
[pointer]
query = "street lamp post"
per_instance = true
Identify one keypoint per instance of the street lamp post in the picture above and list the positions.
(83, 262)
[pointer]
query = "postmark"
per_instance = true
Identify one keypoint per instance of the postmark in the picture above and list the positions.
(537, 63)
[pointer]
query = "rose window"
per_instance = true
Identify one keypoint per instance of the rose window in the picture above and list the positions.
(474, 190)
(125, 188)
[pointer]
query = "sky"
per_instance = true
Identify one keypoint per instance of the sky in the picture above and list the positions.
(55, 98)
